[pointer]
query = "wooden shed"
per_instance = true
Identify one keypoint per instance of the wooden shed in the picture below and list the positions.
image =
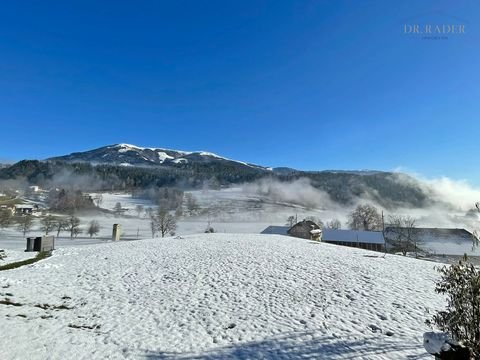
(41, 243)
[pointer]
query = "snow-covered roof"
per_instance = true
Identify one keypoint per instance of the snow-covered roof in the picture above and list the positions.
(277, 230)
(307, 224)
(24, 206)
(353, 236)
(434, 234)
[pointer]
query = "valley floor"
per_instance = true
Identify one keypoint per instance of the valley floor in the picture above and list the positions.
(217, 296)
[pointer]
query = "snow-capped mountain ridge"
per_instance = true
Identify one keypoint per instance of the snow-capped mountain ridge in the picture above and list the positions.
(129, 147)
(132, 155)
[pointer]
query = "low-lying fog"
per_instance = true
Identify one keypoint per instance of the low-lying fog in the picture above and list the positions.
(252, 207)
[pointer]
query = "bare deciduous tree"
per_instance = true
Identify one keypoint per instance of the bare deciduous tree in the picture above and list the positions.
(73, 226)
(48, 224)
(163, 222)
(153, 225)
(77, 231)
(6, 218)
(25, 224)
(60, 225)
(166, 222)
(365, 217)
(192, 204)
(333, 224)
(93, 228)
(117, 209)
(149, 212)
(291, 220)
(178, 212)
(402, 234)
(139, 210)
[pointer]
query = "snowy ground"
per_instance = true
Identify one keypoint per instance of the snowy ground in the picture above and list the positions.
(12, 256)
(217, 296)
(231, 210)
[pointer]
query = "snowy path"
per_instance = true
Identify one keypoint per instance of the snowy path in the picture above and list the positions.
(217, 296)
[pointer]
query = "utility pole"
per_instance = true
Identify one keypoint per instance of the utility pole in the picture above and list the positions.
(383, 235)
(383, 224)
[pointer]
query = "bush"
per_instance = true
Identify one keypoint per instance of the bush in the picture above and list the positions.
(461, 284)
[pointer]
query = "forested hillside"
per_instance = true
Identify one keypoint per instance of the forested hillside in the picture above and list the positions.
(387, 189)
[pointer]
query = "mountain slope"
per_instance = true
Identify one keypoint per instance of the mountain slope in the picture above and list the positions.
(127, 167)
(132, 155)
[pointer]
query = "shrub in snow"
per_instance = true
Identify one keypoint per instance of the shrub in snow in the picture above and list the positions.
(461, 284)
(444, 347)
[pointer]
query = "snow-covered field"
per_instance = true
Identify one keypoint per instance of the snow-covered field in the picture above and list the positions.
(229, 210)
(217, 296)
(12, 256)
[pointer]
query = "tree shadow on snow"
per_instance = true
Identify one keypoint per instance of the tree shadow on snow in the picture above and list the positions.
(304, 345)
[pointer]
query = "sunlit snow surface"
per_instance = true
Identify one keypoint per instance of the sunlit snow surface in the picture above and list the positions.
(217, 296)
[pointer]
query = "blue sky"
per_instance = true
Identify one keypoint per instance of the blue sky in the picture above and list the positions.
(306, 84)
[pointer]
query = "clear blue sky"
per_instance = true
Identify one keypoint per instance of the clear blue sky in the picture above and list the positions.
(307, 84)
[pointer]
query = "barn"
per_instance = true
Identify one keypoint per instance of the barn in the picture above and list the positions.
(23, 209)
(436, 241)
(369, 240)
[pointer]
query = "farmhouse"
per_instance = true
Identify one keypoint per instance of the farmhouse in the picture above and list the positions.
(303, 229)
(369, 240)
(306, 229)
(25, 209)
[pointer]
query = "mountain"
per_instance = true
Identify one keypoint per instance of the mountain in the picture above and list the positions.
(132, 155)
(130, 167)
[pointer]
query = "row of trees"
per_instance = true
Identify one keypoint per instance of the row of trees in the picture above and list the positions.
(174, 202)
(68, 200)
(48, 224)
(400, 231)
